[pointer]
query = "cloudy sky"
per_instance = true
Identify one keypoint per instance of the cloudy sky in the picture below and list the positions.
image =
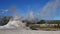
(41, 8)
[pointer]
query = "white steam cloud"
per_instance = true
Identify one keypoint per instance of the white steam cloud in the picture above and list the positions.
(49, 10)
(31, 16)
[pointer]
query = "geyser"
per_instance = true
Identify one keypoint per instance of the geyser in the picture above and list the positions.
(15, 21)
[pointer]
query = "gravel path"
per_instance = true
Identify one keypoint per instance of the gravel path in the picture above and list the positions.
(23, 31)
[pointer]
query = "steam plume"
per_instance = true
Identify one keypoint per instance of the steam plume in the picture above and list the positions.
(49, 10)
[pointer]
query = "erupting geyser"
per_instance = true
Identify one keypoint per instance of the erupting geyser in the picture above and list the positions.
(48, 12)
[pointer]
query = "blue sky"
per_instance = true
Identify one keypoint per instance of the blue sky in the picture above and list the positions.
(24, 6)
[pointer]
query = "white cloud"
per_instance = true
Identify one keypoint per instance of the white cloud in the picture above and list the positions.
(6, 10)
(3, 11)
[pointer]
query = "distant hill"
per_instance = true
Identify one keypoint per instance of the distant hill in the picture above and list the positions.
(53, 21)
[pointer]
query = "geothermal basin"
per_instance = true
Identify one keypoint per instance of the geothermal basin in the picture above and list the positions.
(17, 27)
